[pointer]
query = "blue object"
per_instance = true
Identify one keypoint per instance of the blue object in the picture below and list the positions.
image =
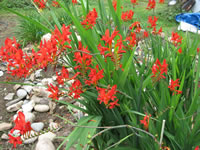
(191, 18)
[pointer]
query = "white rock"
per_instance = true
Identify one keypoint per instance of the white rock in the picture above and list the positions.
(32, 77)
(37, 126)
(1, 73)
(52, 106)
(21, 93)
(9, 97)
(47, 81)
(26, 101)
(28, 107)
(36, 99)
(41, 108)
(46, 37)
(14, 107)
(38, 73)
(28, 88)
(17, 86)
(5, 126)
(13, 102)
(4, 137)
(41, 92)
(49, 135)
(29, 140)
(45, 144)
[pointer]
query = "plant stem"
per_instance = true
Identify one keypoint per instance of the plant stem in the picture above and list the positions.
(162, 132)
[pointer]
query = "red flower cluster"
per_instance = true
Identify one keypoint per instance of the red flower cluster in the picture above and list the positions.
(176, 39)
(134, 2)
(173, 85)
(115, 53)
(22, 126)
(161, 1)
(55, 94)
(159, 69)
(64, 75)
(40, 3)
(152, 21)
(74, 1)
(114, 3)
(136, 26)
(107, 96)
(131, 39)
(76, 89)
(21, 64)
(90, 20)
(128, 15)
(94, 76)
(196, 148)
(151, 4)
(145, 122)
(55, 4)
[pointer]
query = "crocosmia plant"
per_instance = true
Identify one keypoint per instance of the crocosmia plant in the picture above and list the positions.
(138, 89)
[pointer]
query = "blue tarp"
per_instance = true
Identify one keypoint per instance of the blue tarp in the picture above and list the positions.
(191, 18)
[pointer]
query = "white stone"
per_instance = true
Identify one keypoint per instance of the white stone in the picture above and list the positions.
(9, 97)
(52, 106)
(1, 73)
(5, 126)
(14, 107)
(28, 88)
(38, 73)
(26, 101)
(49, 135)
(29, 116)
(37, 126)
(29, 140)
(17, 86)
(41, 108)
(47, 81)
(32, 77)
(13, 102)
(21, 93)
(45, 144)
(36, 99)
(4, 137)
(28, 107)
(41, 92)
(46, 37)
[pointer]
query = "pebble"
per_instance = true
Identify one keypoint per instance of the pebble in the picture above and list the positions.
(45, 101)
(4, 137)
(28, 107)
(16, 87)
(1, 73)
(47, 81)
(37, 126)
(49, 135)
(46, 37)
(14, 107)
(5, 126)
(52, 106)
(28, 88)
(38, 73)
(32, 77)
(13, 102)
(45, 144)
(36, 99)
(21, 93)
(9, 97)
(41, 92)
(41, 108)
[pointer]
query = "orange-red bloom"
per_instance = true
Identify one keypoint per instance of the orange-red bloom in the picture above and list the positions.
(176, 39)
(55, 94)
(90, 19)
(107, 96)
(64, 75)
(151, 4)
(173, 85)
(76, 89)
(55, 4)
(128, 15)
(134, 2)
(40, 3)
(74, 1)
(145, 122)
(161, 1)
(136, 26)
(14, 140)
(159, 69)
(180, 50)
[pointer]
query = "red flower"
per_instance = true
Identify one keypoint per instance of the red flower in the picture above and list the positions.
(196, 148)
(40, 3)
(107, 96)
(134, 2)
(152, 21)
(173, 85)
(107, 38)
(74, 1)
(145, 34)
(197, 50)
(145, 122)
(151, 4)
(64, 75)
(161, 1)
(128, 15)
(14, 140)
(21, 124)
(83, 59)
(131, 39)
(76, 89)
(180, 50)
(55, 4)
(94, 76)
(159, 69)
(176, 39)
(54, 92)
(136, 26)
(114, 3)
(90, 20)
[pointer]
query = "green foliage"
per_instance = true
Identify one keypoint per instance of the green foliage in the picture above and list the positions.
(16, 3)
